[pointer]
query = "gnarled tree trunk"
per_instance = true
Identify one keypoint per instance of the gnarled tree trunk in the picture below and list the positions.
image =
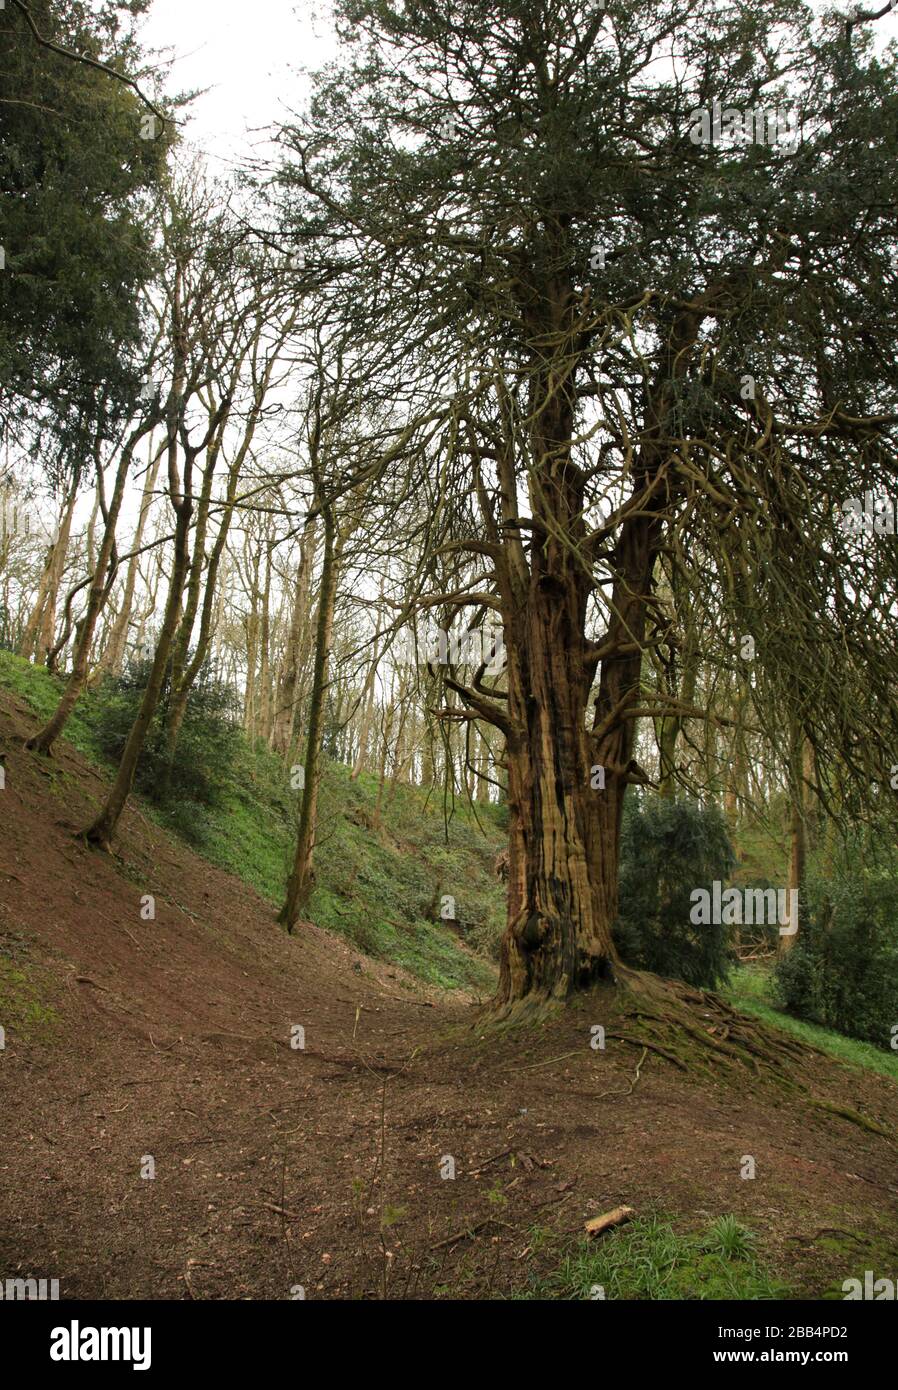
(566, 782)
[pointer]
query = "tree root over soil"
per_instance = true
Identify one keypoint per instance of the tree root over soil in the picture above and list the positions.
(845, 1112)
(691, 1028)
(694, 1027)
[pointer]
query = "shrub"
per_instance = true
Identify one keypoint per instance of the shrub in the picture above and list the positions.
(210, 747)
(842, 971)
(668, 849)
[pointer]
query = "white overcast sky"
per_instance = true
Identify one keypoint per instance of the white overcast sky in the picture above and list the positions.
(248, 54)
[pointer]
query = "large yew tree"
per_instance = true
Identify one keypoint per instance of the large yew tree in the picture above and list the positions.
(655, 356)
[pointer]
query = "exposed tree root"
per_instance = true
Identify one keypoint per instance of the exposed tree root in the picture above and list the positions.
(692, 1029)
(673, 1018)
(854, 1116)
(606, 1095)
(652, 1047)
(520, 1012)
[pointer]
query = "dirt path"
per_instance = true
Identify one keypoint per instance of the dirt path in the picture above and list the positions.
(279, 1166)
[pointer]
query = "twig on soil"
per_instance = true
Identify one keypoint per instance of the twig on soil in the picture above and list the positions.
(487, 1161)
(578, 1052)
(285, 1217)
(829, 1231)
(629, 1091)
(598, 1225)
(466, 1234)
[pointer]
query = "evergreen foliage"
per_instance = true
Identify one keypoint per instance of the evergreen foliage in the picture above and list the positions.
(669, 848)
(842, 971)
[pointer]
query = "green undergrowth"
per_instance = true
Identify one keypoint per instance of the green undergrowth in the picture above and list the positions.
(853, 1255)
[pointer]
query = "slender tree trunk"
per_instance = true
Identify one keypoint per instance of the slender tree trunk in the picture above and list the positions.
(365, 725)
(252, 651)
(114, 652)
(386, 733)
(301, 881)
(399, 756)
(369, 694)
(288, 687)
(668, 737)
(483, 767)
(428, 756)
(797, 855)
(90, 542)
(103, 575)
(152, 580)
(103, 829)
(502, 775)
(265, 655)
(37, 638)
(184, 669)
(798, 834)
(736, 792)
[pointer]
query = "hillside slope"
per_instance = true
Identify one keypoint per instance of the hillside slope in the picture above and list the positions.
(129, 1039)
(383, 869)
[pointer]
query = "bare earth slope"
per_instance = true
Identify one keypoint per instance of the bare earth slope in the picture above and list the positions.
(135, 1044)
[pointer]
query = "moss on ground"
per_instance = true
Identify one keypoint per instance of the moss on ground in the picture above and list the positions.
(25, 1013)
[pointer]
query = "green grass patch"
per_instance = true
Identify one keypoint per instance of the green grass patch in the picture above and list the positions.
(41, 692)
(648, 1259)
(855, 1257)
(750, 989)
